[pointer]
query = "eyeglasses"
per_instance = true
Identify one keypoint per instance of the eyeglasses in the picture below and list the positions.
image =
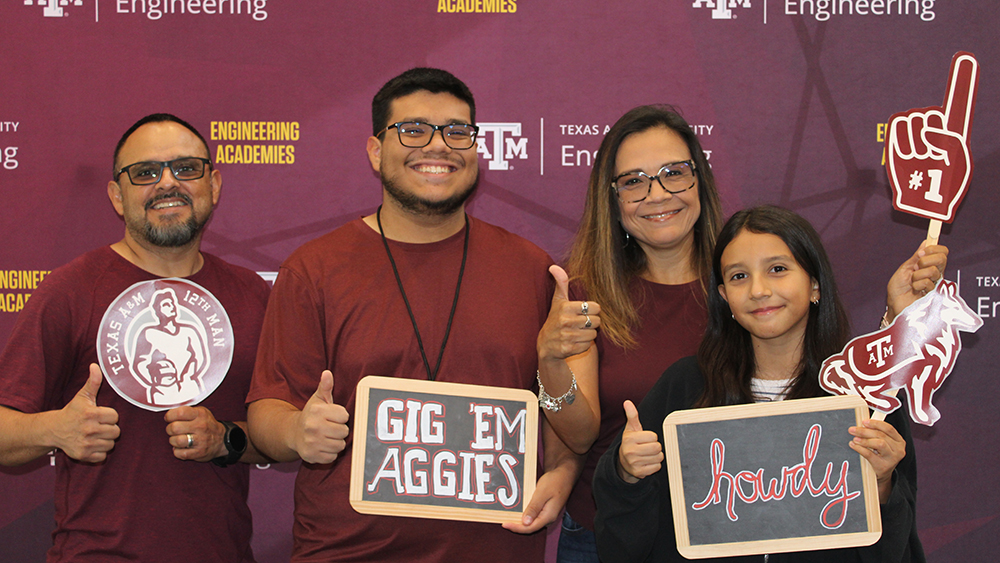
(633, 187)
(416, 135)
(146, 173)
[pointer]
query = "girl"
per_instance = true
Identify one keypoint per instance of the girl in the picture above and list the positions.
(772, 321)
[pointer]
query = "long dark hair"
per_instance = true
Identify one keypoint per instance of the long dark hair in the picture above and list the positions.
(603, 260)
(726, 355)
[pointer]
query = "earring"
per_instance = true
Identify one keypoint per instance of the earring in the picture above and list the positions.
(733, 316)
(815, 302)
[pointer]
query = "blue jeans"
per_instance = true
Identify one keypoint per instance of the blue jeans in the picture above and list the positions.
(576, 543)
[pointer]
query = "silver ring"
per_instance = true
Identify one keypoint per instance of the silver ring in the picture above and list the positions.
(585, 308)
(190, 441)
(588, 324)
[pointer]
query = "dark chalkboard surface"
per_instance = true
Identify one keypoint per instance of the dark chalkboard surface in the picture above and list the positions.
(770, 478)
(443, 450)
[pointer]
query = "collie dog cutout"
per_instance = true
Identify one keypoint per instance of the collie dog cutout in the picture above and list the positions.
(916, 353)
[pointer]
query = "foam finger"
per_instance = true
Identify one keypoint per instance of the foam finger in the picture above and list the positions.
(960, 96)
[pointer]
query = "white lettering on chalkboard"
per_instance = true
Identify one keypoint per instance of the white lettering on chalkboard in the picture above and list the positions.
(431, 430)
(483, 440)
(465, 475)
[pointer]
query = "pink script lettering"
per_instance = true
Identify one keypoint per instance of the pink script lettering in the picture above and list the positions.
(796, 480)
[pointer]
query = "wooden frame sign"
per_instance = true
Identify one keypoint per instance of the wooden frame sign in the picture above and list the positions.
(770, 478)
(451, 451)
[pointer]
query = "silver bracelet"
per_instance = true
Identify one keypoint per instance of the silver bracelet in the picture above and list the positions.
(555, 404)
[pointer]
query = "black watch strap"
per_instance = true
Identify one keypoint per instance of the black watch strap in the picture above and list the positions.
(235, 440)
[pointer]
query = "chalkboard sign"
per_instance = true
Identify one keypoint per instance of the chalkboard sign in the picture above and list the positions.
(443, 450)
(770, 478)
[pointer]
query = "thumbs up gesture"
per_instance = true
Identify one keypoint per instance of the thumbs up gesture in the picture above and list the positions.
(87, 432)
(571, 325)
(322, 425)
(640, 454)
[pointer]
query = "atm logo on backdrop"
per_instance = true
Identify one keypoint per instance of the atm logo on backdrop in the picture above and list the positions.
(54, 8)
(156, 9)
(823, 10)
(499, 143)
(721, 9)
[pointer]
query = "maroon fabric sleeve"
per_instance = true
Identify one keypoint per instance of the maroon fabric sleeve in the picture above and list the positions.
(673, 319)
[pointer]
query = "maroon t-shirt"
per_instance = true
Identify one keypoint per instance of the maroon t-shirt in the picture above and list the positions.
(336, 306)
(672, 322)
(141, 503)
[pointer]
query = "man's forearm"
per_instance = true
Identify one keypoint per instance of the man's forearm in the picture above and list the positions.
(270, 426)
(24, 437)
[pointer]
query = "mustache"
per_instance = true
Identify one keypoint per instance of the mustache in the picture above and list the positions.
(186, 198)
(452, 158)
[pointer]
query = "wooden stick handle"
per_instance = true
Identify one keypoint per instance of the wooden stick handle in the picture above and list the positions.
(879, 415)
(934, 231)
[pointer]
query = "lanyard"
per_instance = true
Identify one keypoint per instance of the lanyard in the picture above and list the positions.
(431, 375)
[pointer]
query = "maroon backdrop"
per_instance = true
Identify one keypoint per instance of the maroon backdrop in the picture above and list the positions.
(789, 97)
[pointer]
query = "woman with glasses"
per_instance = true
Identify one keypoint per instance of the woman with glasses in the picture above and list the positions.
(640, 266)
(638, 263)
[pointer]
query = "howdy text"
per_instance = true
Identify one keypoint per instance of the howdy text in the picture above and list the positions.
(795, 479)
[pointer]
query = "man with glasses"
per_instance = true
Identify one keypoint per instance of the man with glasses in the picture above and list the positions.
(416, 290)
(145, 462)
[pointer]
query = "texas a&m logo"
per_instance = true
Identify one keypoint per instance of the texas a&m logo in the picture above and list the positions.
(165, 343)
(721, 9)
(54, 8)
(501, 142)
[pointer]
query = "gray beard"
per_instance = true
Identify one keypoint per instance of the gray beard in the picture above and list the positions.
(171, 236)
(416, 204)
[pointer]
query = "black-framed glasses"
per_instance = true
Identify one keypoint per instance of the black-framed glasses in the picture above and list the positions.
(149, 172)
(633, 187)
(416, 135)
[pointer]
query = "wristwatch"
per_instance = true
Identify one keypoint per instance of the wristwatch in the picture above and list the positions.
(235, 441)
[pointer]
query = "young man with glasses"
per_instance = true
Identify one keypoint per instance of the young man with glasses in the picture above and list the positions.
(416, 290)
(146, 448)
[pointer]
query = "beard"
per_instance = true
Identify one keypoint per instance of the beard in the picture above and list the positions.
(415, 204)
(171, 235)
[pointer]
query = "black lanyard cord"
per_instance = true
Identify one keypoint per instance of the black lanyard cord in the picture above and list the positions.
(431, 376)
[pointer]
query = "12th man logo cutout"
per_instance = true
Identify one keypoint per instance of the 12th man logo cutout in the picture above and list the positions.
(165, 343)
